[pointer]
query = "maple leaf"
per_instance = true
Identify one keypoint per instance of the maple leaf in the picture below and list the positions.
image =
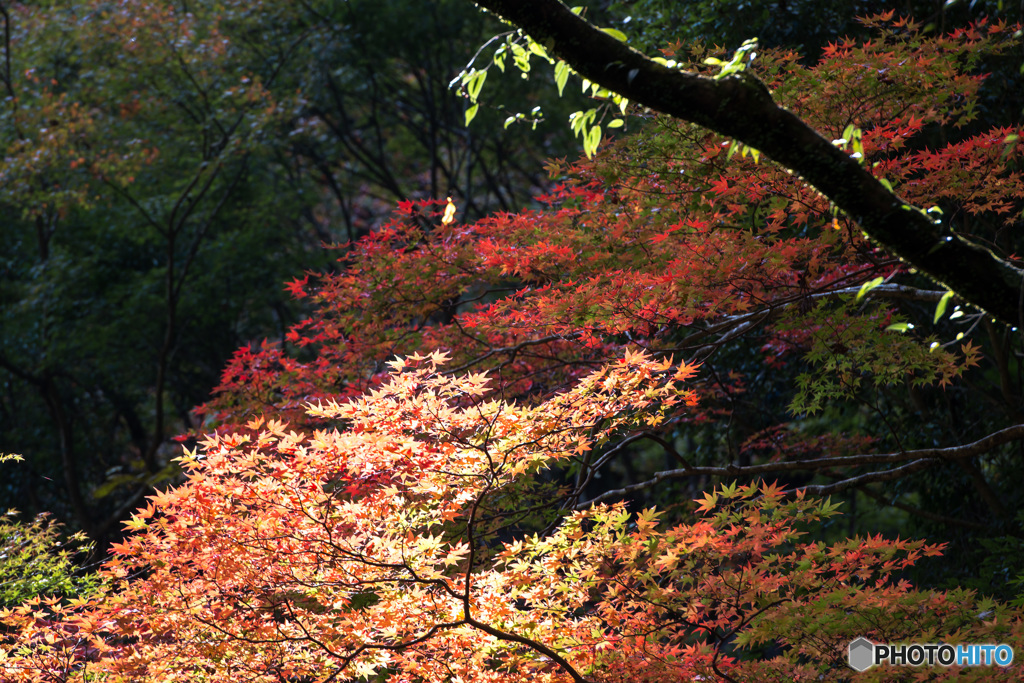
(297, 288)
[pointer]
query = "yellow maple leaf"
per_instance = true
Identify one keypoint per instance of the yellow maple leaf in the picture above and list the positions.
(449, 213)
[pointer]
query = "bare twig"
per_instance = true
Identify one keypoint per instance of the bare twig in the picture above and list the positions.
(916, 459)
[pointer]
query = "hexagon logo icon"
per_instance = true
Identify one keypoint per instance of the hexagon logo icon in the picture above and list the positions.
(861, 654)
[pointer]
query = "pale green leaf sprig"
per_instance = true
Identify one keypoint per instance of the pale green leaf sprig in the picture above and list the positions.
(741, 59)
(744, 150)
(933, 214)
(586, 124)
(867, 287)
(521, 48)
(471, 80)
(940, 312)
(739, 62)
(851, 140)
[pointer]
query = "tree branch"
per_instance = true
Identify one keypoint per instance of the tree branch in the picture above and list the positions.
(741, 107)
(920, 459)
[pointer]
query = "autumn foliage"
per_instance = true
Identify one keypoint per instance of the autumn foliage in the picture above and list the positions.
(372, 508)
(672, 241)
(389, 547)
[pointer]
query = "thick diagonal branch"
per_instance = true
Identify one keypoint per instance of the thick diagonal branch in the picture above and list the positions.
(741, 107)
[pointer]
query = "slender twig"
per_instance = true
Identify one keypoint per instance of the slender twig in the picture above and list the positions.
(917, 459)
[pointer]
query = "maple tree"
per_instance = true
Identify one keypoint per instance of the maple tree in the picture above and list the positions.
(371, 508)
(736, 104)
(672, 243)
(377, 552)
